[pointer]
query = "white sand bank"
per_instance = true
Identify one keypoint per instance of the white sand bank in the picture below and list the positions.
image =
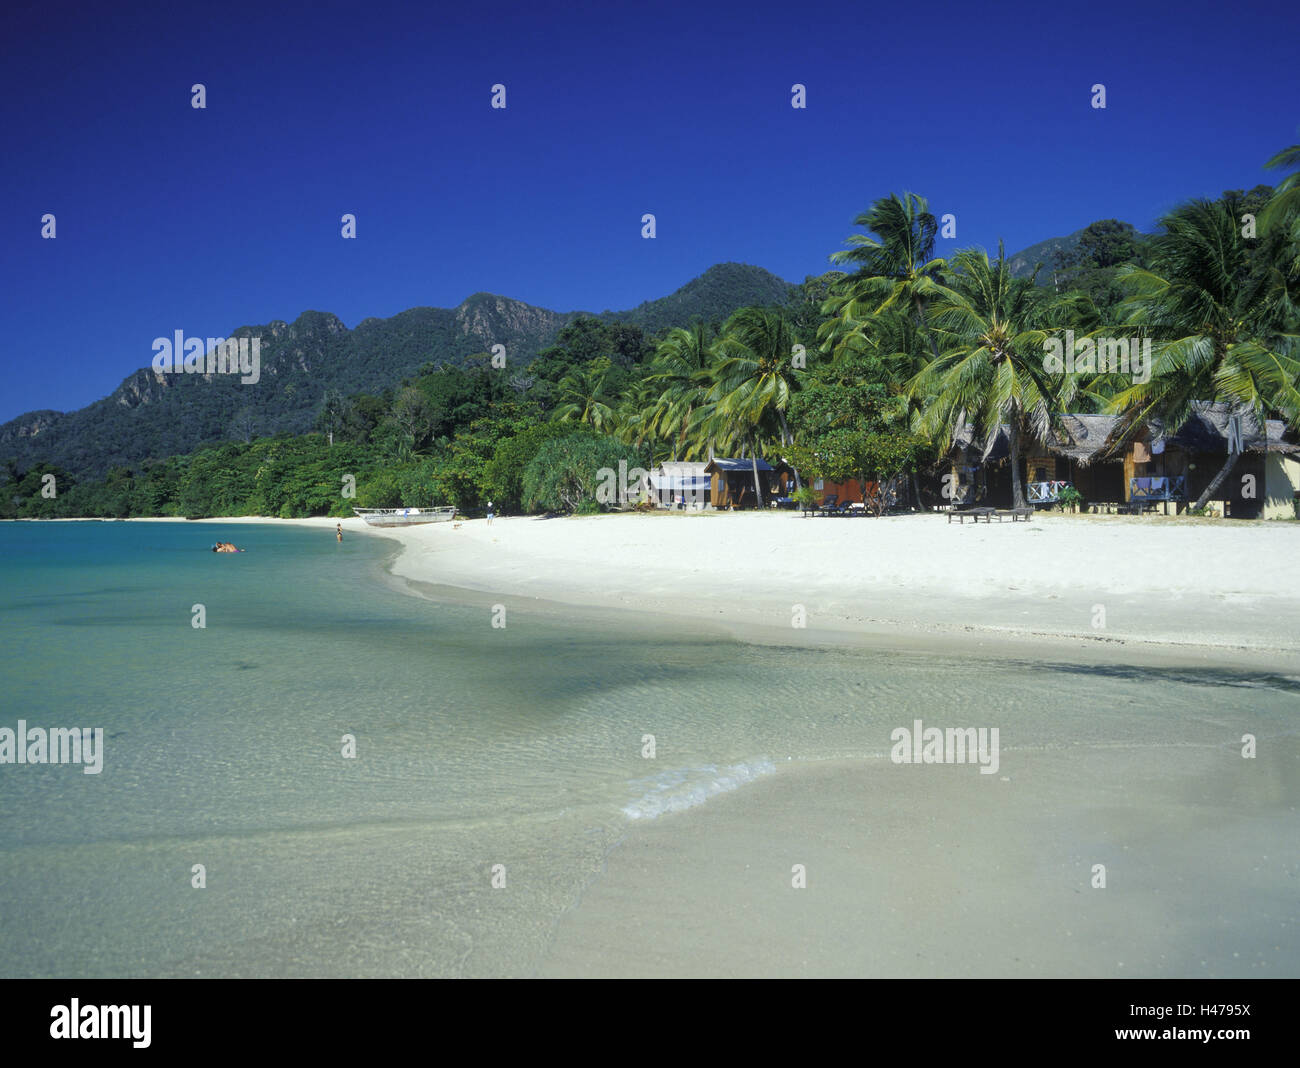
(1089, 579)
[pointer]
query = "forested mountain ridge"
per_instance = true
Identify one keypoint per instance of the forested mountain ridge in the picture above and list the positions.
(712, 296)
(1022, 263)
(152, 415)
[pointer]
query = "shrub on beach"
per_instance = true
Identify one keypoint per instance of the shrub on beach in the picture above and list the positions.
(567, 471)
(503, 476)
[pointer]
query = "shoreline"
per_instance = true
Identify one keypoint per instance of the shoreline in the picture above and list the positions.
(906, 582)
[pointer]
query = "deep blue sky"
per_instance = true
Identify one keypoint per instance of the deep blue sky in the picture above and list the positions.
(173, 218)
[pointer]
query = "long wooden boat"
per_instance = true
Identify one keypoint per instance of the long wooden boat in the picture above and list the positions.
(405, 517)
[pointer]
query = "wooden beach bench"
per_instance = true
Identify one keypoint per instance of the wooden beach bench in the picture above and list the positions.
(827, 507)
(976, 514)
(1016, 515)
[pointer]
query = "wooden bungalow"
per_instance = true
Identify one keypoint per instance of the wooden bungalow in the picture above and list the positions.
(732, 482)
(850, 491)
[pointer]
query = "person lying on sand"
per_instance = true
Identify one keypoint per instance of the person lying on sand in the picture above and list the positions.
(226, 547)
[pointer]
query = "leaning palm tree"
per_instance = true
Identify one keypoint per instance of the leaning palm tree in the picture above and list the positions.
(1224, 324)
(894, 261)
(582, 396)
(990, 368)
(754, 377)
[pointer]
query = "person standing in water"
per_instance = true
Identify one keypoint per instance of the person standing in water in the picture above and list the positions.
(339, 530)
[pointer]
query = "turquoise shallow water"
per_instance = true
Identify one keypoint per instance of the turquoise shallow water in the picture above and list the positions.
(476, 746)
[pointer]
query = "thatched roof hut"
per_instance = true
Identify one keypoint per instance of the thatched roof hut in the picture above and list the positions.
(1087, 439)
(1103, 454)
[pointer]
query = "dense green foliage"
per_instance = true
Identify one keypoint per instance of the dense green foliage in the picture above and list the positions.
(848, 428)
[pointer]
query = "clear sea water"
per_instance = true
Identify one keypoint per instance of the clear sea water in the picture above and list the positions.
(482, 753)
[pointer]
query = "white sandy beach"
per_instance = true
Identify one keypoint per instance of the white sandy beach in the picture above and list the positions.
(1078, 579)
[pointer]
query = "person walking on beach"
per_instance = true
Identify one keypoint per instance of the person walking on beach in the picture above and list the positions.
(339, 529)
(489, 523)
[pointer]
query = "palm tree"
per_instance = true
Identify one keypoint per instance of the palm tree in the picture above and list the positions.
(1284, 209)
(1225, 326)
(895, 268)
(683, 356)
(582, 395)
(754, 378)
(990, 370)
(634, 417)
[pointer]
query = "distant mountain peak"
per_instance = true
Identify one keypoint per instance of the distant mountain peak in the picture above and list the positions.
(152, 415)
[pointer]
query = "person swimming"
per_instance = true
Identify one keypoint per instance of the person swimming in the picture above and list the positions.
(226, 547)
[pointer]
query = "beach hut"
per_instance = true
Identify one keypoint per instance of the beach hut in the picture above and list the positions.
(732, 482)
(1281, 486)
(1164, 465)
(850, 491)
(1078, 455)
(680, 484)
(973, 471)
(1084, 455)
(1147, 466)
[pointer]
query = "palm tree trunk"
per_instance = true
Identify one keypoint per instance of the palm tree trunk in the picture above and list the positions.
(916, 491)
(753, 460)
(1017, 486)
(1217, 480)
(788, 439)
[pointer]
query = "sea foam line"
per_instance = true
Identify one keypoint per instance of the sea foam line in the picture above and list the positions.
(682, 788)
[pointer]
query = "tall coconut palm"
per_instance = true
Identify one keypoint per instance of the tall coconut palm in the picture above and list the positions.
(581, 396)
(894, 263)
(682, 357)
(1224, 326)
(990, 368)
(755, 377)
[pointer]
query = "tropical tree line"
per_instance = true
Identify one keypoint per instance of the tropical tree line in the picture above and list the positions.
(871, 374)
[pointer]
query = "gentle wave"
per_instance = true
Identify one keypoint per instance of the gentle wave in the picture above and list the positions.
(683, 788)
